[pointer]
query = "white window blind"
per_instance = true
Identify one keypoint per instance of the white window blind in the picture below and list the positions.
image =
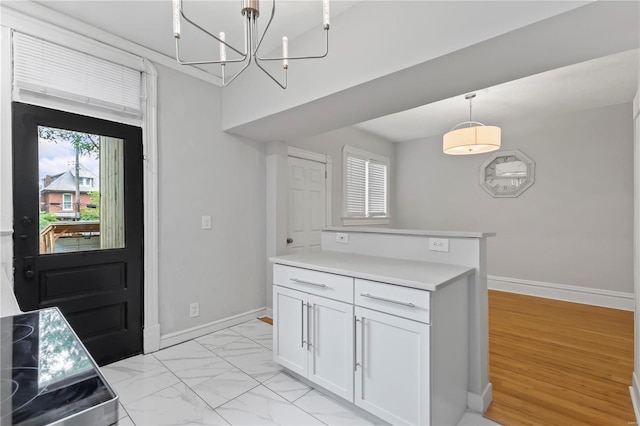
(365, 189)
(356, 186)
(377, 189)
(50, 70)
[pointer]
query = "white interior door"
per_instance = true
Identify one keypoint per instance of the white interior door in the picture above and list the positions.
(307, 204)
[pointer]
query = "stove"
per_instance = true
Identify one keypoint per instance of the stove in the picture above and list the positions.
(47, 377)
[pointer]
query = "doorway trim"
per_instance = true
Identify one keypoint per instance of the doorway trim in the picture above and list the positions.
(151, 326)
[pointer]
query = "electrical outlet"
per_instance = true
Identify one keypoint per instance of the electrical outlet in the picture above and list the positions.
(194, 310)
(439, 244)
(342, 238)
(206, 222)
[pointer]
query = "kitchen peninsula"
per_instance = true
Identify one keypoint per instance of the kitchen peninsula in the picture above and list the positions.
(393, 321)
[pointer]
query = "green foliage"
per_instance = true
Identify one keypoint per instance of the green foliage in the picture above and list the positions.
(46, 218)
(83, 142)
(92, 213)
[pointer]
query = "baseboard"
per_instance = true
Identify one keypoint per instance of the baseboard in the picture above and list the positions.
(480, 402)
(634, 389)
(151, 339)
(269, 313)
(174, 338)
(567, 293)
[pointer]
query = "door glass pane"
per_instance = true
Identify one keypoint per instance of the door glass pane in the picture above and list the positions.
(81, 191)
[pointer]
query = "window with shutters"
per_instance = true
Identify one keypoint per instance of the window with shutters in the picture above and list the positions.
(365, 199)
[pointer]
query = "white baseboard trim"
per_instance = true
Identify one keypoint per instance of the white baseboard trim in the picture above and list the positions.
(634, 389)
(568, 293)
(269, 313)
(480, 403)
(151, 338)
(174, 338)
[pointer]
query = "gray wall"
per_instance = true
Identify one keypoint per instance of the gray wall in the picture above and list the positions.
(203, 171)
(573, 226)
(331, 143)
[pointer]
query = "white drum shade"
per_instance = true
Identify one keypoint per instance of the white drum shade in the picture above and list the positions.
(471, 140)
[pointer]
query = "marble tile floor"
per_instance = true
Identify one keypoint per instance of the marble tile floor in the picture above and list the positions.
(225, 378)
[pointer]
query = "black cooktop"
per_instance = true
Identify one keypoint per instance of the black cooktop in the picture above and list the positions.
(47, 376)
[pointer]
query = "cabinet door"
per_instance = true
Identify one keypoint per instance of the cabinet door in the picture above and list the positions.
(392, 375)
(331, 345)
(290, 329)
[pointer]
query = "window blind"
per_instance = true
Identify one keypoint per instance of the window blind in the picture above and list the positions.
(377, 189)
(365, 185)
(51, 70)
(356, 186)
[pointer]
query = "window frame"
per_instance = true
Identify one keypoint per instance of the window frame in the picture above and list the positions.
(64, 209)
(349, 151)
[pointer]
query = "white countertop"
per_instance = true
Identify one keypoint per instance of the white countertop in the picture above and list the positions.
(407, 273)
(416, 232)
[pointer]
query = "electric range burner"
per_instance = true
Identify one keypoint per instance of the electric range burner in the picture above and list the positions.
(20, 331)
(47, 376)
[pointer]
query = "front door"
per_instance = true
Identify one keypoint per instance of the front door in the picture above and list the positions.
(78, 225)
(307, 198)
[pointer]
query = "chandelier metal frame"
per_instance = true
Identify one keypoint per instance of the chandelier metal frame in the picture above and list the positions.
(252, 42)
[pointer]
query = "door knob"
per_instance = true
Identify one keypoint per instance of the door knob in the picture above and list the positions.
(289, 240)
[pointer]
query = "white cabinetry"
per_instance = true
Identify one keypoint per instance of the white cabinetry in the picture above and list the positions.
(406, 361)
(313, 335)
(392, 375)
(392, 353)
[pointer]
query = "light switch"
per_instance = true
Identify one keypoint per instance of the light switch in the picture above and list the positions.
(206, 222)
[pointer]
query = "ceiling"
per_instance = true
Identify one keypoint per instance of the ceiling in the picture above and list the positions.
(604, 81)
(609, 80)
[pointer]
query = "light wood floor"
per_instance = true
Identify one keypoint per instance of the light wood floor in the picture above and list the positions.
(558, 363)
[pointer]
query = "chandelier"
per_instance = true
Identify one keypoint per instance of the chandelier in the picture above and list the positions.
(471, 137)
(249, 52)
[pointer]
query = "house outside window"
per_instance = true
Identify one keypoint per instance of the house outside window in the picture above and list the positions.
(67, 202)
(365, 188)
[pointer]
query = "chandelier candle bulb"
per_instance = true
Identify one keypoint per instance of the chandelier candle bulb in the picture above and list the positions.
(325, 13)
(285, 52)
(223, 48)
(176, 18)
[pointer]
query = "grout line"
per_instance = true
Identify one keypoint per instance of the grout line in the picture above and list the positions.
(258, 382)
(298, 398)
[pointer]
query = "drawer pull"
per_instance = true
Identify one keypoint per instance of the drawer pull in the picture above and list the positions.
(409, 304)
(307, 282)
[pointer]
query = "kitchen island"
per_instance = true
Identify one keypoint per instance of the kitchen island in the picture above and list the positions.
(418, 297)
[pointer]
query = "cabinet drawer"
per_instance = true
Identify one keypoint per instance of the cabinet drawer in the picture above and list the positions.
(333, 286)
(395, 300)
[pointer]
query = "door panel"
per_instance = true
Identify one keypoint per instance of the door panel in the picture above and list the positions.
(392, 379)
(307, 201)
(78, 225)
(290, 329)
(332, 345)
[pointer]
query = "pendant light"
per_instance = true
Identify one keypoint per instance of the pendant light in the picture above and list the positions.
(471, 137)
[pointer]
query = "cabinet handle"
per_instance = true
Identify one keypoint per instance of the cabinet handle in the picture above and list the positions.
(356, 364)
(309, 315)
(307, 282)
(362, 351)
(302, 324)
(409, 304)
